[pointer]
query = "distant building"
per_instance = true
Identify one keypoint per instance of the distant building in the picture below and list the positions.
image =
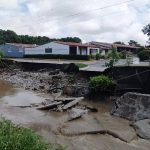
(105, 47)
(15, 50)
(63, 48)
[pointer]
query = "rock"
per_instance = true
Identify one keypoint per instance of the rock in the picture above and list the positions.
(132, 106)
(75, 113)
(68, 91)
(142, 128)
(76, 90)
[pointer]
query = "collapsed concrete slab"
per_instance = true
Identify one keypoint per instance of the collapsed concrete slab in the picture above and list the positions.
(142, 128)
(132, 106)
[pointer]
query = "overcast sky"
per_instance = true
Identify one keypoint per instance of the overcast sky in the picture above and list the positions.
(82, 18)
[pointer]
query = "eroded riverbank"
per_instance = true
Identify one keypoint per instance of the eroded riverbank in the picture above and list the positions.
(55, 128)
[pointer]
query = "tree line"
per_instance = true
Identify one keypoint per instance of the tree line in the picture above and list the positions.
(8, 36)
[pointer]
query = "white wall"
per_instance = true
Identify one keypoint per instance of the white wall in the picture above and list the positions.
(83, 51)
(103, 53)
(56, 49)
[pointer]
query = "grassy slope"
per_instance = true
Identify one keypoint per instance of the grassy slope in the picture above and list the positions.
(18, 138)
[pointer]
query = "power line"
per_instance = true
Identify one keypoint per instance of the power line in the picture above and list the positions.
(77, 14)
(101, 8)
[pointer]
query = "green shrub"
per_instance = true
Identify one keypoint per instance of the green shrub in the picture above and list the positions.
(98, 56)
(122, 54)
(80, 65)
(102, 83)
(144, 55)
(18, 138)
(53, 56)
(92, 56)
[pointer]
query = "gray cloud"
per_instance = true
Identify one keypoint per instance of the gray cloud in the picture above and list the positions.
(53, 18)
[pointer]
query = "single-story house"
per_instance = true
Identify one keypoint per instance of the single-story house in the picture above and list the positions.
(120, 47)
(15, 50)
(63, 48)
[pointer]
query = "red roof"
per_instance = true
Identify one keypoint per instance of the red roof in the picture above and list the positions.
(23, 45)
(76, 44)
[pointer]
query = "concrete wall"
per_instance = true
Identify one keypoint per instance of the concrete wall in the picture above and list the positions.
(12, 51)
(56, 49)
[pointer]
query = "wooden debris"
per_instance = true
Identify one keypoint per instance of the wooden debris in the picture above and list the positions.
(73, 103)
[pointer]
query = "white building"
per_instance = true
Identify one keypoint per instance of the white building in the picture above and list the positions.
(63, 48)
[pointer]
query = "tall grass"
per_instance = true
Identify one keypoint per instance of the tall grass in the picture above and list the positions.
(18, 138)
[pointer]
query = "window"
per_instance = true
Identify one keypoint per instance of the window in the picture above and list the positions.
(48, 50)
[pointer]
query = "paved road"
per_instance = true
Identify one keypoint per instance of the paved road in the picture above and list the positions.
(98, 66)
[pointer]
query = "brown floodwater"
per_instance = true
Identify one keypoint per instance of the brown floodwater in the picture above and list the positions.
(49, 124)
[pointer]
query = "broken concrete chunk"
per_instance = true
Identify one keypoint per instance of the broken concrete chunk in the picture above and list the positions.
(142, 128)
(132, 106)
(75, 113)
(50, 106)
(73, 103)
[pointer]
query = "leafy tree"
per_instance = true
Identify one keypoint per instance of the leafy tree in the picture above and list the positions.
(146, 30)
(134, 43)
(113, 55)
(9, 36)
(144, 55)
(71, 39)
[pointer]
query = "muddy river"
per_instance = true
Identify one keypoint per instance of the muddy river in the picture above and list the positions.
(81, 134)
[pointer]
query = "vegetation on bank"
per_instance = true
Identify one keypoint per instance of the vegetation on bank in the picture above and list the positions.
(18, 138)
(80, 65)
(102, 84)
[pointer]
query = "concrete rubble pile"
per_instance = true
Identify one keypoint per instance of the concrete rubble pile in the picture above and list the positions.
(47, 81)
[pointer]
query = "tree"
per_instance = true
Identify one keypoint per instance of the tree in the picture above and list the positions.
(113, 55)
(118, 42)
(71, 39)
(146, 30)
(9, 36)
(134, 43)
